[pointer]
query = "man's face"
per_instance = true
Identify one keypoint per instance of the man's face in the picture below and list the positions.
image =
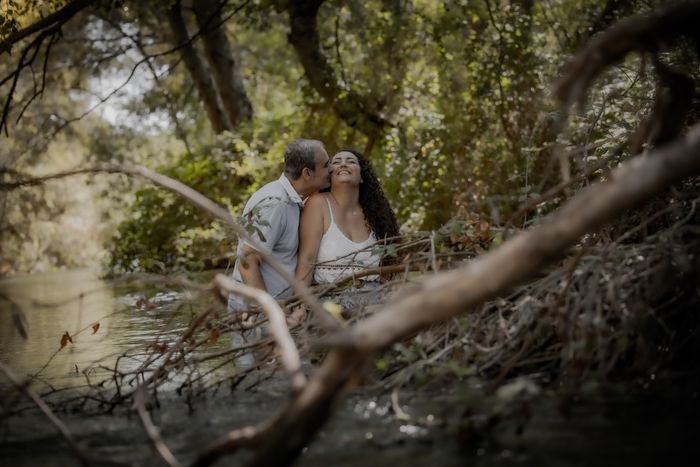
(320, 178)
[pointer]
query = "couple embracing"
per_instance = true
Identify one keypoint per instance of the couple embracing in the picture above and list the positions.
(318, 219)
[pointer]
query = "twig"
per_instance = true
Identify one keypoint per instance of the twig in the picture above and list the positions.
(432, 252)
(400, 413)
(152, 430)
(278, 326)
(557, 189)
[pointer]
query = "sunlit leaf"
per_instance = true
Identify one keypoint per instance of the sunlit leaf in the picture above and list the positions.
(334, 309)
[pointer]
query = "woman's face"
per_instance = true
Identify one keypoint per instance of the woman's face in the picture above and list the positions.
(345, 168)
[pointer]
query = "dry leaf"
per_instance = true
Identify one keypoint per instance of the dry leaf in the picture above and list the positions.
(65, 339)
(213, 335)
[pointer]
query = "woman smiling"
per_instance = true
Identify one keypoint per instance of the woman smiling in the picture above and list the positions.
(337, 227)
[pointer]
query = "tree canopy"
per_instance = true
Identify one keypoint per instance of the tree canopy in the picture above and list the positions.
(450, 100)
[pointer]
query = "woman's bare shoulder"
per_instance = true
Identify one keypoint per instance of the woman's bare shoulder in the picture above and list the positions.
(315, 202)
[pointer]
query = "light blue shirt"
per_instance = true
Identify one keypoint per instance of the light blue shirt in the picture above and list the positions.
(272, 217)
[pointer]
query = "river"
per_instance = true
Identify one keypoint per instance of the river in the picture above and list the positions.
(655, 426)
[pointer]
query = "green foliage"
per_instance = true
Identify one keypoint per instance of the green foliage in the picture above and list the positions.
(463, 83)
(162, 231)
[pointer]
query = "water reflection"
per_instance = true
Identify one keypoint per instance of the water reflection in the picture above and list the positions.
(77, 302)
(53, 304)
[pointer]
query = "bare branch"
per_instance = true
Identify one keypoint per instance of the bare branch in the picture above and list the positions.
(278, 326)
(451, 293)
(152, 430)
(648, 33)
(58, 18)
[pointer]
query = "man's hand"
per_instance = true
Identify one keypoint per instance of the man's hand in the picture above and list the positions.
(298, 315)
(250, 269)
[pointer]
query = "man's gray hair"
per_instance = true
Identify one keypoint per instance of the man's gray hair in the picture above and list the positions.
(300, 154)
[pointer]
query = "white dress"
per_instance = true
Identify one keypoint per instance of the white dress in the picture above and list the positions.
(339, 257)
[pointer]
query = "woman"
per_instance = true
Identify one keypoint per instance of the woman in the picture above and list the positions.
(337, 227)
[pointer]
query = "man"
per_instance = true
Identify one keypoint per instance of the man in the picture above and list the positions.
(273, 212)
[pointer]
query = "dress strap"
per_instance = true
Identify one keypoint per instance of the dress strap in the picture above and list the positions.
(330, 209)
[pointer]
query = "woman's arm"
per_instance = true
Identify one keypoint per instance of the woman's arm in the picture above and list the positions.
(311, 228)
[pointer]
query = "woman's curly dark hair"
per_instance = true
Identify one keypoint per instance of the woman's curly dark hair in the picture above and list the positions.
(375, 205)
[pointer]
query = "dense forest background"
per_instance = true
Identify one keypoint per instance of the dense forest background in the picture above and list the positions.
(450, 100)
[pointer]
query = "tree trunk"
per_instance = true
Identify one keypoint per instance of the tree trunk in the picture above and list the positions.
(347, 104)
(218, 52)
(198, 71)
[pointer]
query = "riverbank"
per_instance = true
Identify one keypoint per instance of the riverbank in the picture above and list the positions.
(613, 426)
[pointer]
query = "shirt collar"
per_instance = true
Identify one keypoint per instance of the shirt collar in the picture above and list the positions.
(291, 192)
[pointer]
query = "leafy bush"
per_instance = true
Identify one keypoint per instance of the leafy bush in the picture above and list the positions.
(165, 232)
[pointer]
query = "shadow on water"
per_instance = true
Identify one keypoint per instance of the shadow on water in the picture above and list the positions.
(656, 427)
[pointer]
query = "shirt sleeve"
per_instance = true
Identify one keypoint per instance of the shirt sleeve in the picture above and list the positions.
(265, 223)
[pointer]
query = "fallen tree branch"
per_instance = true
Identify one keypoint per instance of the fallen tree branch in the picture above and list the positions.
(278, 326)
(451, 293)
(152, 430)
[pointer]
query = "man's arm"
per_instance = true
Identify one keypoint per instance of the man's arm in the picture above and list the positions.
(268, 228)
